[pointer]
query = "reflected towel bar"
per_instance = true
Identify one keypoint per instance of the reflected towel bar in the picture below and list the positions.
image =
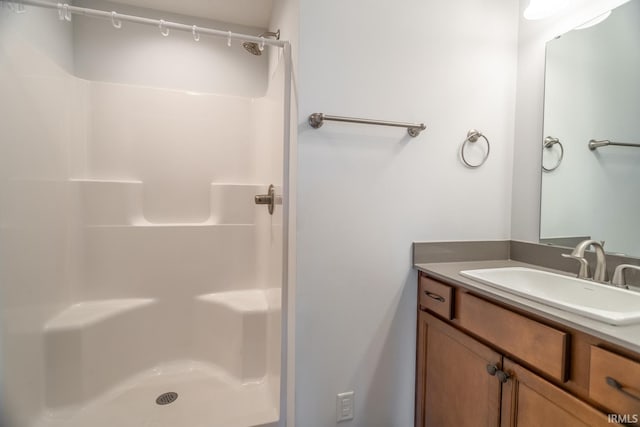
(316, 120)
(593, 144)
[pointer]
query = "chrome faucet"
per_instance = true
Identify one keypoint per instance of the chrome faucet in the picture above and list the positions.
(601, 262)
(618, 275)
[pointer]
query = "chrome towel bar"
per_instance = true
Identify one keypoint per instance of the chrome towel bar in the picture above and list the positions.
(593, 144)
(316, 120)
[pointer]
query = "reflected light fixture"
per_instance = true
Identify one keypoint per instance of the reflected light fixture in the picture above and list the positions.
(541, 9)
(595, 21)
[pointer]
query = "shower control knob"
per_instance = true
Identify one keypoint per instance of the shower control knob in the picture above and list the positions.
(268, 199)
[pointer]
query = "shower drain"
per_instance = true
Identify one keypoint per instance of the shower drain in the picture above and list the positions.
(166, 398)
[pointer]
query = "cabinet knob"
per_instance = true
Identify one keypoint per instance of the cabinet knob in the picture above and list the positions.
(492, 370)
(503, 377)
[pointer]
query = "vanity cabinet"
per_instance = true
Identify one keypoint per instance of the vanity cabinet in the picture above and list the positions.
(480, 363)
(530, 401)
(610, 374)
(454, 388)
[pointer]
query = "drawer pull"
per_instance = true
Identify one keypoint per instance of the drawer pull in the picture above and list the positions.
(434, 296)
(615, 384)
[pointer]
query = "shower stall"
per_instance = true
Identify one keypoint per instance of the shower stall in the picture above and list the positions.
(140, 283)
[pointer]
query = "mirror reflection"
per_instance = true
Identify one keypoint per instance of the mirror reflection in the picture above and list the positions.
(591, 141)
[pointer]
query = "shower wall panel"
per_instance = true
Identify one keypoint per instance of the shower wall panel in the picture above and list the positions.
(128, 232)
(138, 55)
(268, 133)
(177, 143)
(39, 102)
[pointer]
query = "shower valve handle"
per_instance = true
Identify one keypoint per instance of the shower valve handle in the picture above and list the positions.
(267, 199)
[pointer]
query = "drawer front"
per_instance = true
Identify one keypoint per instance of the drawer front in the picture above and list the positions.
(436, 297)
(614, 382)
(541, 346)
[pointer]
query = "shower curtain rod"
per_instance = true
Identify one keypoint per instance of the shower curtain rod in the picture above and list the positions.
(66, 9)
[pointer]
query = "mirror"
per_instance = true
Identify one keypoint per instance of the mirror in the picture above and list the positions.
(592, 92)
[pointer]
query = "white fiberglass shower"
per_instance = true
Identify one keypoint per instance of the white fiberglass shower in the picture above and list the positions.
(140, 285)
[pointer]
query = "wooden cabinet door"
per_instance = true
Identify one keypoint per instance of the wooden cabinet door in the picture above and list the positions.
(453, 386)
(530, 401)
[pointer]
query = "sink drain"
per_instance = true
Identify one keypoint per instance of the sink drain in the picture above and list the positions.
(166, 398)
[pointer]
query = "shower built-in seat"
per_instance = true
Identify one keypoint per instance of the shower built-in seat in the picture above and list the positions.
(197, 326)
(103, 364)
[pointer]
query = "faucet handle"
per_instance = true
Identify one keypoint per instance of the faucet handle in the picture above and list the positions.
(618, 275)
(583, 273)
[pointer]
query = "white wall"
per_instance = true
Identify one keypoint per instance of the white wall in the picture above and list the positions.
(365, 193)
(592, 91)
(138, 54)
(532, 37)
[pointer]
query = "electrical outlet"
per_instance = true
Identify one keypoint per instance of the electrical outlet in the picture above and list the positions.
(345, 406)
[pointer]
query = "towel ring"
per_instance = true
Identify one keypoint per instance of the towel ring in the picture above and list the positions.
(472, 137)
(549, 142)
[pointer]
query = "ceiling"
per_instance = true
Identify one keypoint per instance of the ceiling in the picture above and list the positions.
(253, 13)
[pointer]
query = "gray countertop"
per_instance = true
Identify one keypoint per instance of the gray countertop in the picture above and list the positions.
(624, 336)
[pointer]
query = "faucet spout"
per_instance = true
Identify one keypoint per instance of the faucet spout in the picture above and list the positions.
(618, 275)
(601, 262)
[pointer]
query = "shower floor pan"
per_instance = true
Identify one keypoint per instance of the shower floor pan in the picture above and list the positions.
(206, 397)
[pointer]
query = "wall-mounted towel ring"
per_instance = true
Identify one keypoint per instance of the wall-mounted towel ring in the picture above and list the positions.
(548, 143)
(472, 137)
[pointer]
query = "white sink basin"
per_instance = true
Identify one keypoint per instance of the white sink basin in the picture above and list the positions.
(601, 302)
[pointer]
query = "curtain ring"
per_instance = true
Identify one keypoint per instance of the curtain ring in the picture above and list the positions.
(261, 44)
(60, 12)
(115, 21)
(17, 6)
(164, 31)
(549, 142)
(196, 34)
(472, 137)
(228, 38)
(67, 12)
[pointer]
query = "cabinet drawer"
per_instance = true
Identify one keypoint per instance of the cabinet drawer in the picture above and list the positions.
(614, 382)
(436, 297)
(541, 346)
